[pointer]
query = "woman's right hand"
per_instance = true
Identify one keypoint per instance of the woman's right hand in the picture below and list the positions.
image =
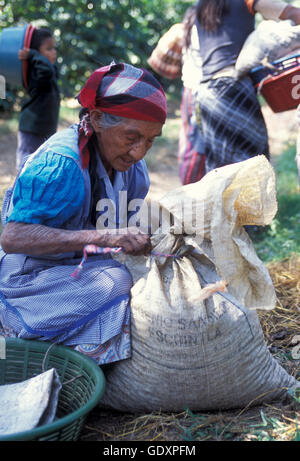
(37, 239)
(130, 239)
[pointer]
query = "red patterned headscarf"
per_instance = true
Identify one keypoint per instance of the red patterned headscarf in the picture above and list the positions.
(123, 90)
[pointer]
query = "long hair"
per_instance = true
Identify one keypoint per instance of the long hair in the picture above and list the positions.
(210, 12)
(39, 36)
(188, 22)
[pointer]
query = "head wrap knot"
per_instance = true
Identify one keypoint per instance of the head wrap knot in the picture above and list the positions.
(122, 90)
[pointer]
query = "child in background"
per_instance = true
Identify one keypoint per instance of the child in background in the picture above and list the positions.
(39, 114)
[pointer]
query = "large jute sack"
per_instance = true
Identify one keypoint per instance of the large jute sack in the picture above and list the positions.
(270, 41)
(187, 351)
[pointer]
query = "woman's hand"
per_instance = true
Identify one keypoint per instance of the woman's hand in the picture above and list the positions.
(36, 239)
(130, 239)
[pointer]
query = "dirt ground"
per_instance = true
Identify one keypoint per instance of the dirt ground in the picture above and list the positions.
(282, 128)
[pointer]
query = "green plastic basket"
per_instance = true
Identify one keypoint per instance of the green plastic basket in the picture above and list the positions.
(24, 359)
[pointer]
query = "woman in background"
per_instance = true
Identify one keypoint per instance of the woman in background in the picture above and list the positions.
(233, 125)
(191, 149)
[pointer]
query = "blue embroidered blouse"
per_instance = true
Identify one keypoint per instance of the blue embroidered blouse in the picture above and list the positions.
(50, 189)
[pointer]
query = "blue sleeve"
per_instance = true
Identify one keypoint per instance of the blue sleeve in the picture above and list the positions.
(49, 191)
(139, 184)
(139, 181)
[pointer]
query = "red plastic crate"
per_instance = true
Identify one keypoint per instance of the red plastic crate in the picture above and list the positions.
(280, 91)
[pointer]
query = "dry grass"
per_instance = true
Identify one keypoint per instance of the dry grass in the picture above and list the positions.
(278, 421)
(283, 324)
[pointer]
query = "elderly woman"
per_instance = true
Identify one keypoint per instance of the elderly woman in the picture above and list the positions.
(52, 211)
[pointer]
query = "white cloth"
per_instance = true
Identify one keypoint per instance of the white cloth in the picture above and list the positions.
(192, 62)
(270, 9)
(30, 403)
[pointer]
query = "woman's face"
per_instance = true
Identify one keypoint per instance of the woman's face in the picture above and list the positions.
(123, 145)
(48, 50)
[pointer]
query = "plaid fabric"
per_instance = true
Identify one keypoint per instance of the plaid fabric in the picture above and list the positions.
(191, 149)
(125, 91)
(40, 299)
(233, 125)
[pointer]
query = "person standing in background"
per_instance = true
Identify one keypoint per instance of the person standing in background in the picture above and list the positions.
(232, 122)
(39, 114)
(191, 149)
(177, 55)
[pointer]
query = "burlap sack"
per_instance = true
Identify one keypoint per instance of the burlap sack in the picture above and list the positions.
(203, 354)
(270, 41)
